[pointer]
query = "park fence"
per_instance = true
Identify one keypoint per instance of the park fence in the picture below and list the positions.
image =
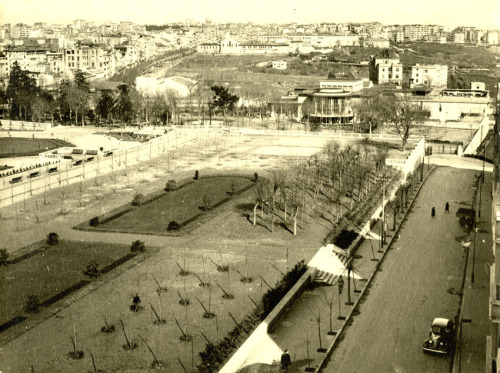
(60, 172)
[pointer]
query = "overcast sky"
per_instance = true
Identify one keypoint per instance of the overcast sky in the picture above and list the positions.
(479, 13)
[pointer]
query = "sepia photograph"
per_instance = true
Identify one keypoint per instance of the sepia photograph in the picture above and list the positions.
(249, 186)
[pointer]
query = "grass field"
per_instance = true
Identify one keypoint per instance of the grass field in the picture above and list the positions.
(181, 205)
(21, 147)
(447, 54)
(51, 271)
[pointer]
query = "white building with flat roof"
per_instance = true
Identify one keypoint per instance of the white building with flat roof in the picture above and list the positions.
(429, 75)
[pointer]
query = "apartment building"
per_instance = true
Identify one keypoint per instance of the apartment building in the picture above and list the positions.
(492, 38)
(417, 32)
(429, 75)
(20, 31)
(89, 57)
(146, 47)
(125, 55)
(459, 37)
(385, 68)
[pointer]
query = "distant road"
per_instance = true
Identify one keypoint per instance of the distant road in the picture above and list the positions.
(421, 278)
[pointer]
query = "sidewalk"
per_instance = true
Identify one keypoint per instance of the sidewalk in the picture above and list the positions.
(319, 314)
(470, 355)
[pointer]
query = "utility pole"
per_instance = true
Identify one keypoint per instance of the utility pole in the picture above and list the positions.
(474, 253)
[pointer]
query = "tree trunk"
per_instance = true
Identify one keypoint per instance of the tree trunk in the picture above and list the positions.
(255, 213)
(295, 222)
(272, 218)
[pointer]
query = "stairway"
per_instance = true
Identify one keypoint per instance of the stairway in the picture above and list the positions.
(325, 278)
(328, 278)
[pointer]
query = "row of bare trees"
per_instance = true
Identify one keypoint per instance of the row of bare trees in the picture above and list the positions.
(332, 182)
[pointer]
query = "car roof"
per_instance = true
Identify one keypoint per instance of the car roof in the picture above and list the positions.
(440, 321)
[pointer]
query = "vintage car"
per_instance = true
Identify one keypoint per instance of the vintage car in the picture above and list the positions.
(440, 337)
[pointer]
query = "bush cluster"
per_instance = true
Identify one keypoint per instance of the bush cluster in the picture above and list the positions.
(52, 238)
(94, 222)
(138, 199)
(173, 226)
(92, 269)
(32, 304)
(4, 255)
(137, 246)
(170, 186)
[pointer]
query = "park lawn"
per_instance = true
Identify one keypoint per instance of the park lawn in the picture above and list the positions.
(51, 271)
(182, 205)
(21, 146)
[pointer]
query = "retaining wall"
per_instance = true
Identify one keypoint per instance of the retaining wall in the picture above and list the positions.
(479, 136)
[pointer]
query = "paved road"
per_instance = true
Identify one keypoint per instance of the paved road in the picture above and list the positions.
(421, 278)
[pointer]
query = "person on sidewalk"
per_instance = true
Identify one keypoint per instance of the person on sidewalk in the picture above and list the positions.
(447, 207)
(433, 212)
(286, 361)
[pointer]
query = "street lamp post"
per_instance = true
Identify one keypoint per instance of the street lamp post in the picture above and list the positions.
(474, 253)
(384, 178)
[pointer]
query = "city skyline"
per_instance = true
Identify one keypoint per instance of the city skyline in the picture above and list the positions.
(482, 14)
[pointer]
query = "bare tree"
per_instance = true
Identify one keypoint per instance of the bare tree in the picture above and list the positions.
(405, 115)
(372, 110)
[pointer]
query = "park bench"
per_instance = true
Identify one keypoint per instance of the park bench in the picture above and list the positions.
(108, 154)
(53, 169)
(34, 174)
(90, 159)
(78, 163)
(16, 180)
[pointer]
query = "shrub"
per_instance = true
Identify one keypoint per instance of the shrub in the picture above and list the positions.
(171, 185)
(52, 238)
(173, 226)
(138, 199)
(137, 246)
(196, 175)
(255, 176)
(4, 255)
(274, 296)
(94, 222)
(92, 270)
(32, 304)
(232, 190)
(207, 203)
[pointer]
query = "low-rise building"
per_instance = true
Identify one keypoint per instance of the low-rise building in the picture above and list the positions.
(208, 48)
(279, 65)
(376, 43)
(429, 75)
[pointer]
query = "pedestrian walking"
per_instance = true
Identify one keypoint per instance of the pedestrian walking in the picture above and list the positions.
(433, 212)
(447, 207)
(286, 361)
